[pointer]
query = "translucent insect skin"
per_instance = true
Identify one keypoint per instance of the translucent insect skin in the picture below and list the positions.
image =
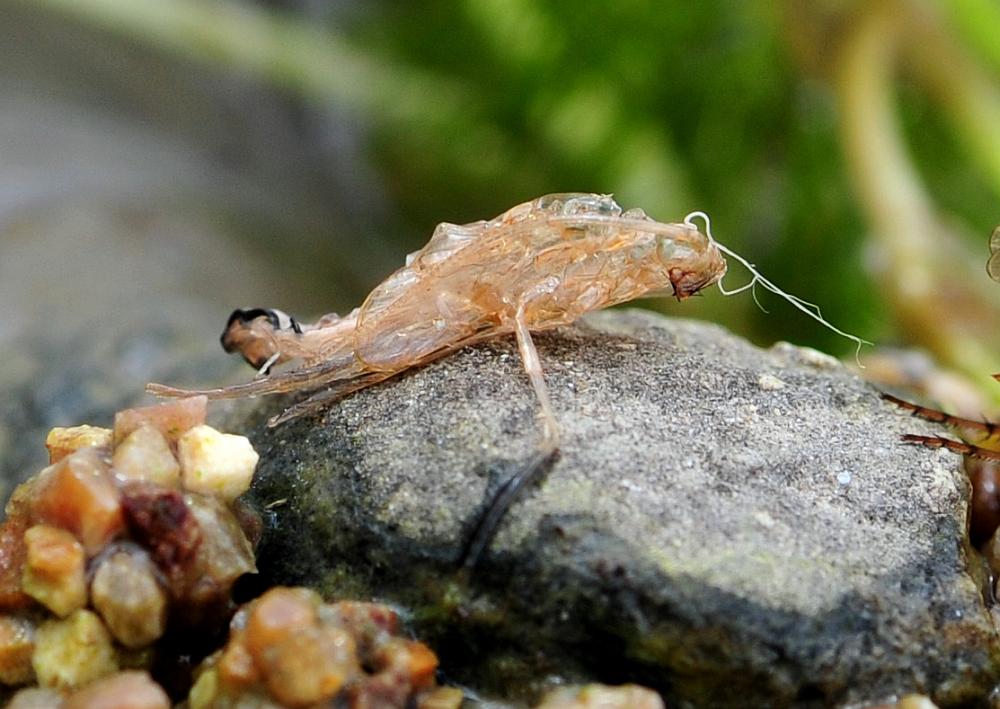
(539, 265)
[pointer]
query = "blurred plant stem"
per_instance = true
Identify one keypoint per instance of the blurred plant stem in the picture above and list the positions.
(978, 21)
(281, 50)
(967, 93)
(939, 291)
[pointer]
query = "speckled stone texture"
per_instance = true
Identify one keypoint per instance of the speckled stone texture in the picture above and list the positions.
(731, 526)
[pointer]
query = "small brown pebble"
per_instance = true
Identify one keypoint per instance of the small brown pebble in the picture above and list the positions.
(371, 624)
(399, 667)
(74, 651)
(410, 658)
(224, 555)
(277, 614)
(160, 521)
(54, 569)
(130, 600)
(124, 690)
(599, 696)
(171, 419)
(78, 494)
(236, 666)
(17, 643)
(63, 441)
(915, 701)
(145, 455)
(309, 666)
(12, 557)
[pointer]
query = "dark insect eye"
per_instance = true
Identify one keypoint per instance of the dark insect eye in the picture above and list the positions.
(279, 319)
(245, 315)
(236, 329)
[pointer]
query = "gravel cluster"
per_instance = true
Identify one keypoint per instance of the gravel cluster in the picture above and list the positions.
(291, 649)
(127, 538)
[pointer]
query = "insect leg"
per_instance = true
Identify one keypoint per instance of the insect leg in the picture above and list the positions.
(533, 368)
(985, 433)
(956, 446)
(547, 450)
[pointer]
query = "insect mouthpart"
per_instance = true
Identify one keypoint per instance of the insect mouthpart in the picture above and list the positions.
(692, 262)
(688, 283)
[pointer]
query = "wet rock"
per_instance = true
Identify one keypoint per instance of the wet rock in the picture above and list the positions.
(705, 532)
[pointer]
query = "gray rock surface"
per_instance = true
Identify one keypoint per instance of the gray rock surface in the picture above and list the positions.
(732, 526)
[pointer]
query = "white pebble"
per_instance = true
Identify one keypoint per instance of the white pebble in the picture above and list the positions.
(145, 455)
(215, 463)
(769, 382)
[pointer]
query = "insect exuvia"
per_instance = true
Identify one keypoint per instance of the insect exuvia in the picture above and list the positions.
(537, 266)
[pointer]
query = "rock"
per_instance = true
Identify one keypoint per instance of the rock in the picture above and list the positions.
(707, 532)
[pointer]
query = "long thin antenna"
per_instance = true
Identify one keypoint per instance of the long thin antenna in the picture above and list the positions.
(810, 309)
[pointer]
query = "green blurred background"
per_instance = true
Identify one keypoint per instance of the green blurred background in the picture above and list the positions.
(290, 153)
